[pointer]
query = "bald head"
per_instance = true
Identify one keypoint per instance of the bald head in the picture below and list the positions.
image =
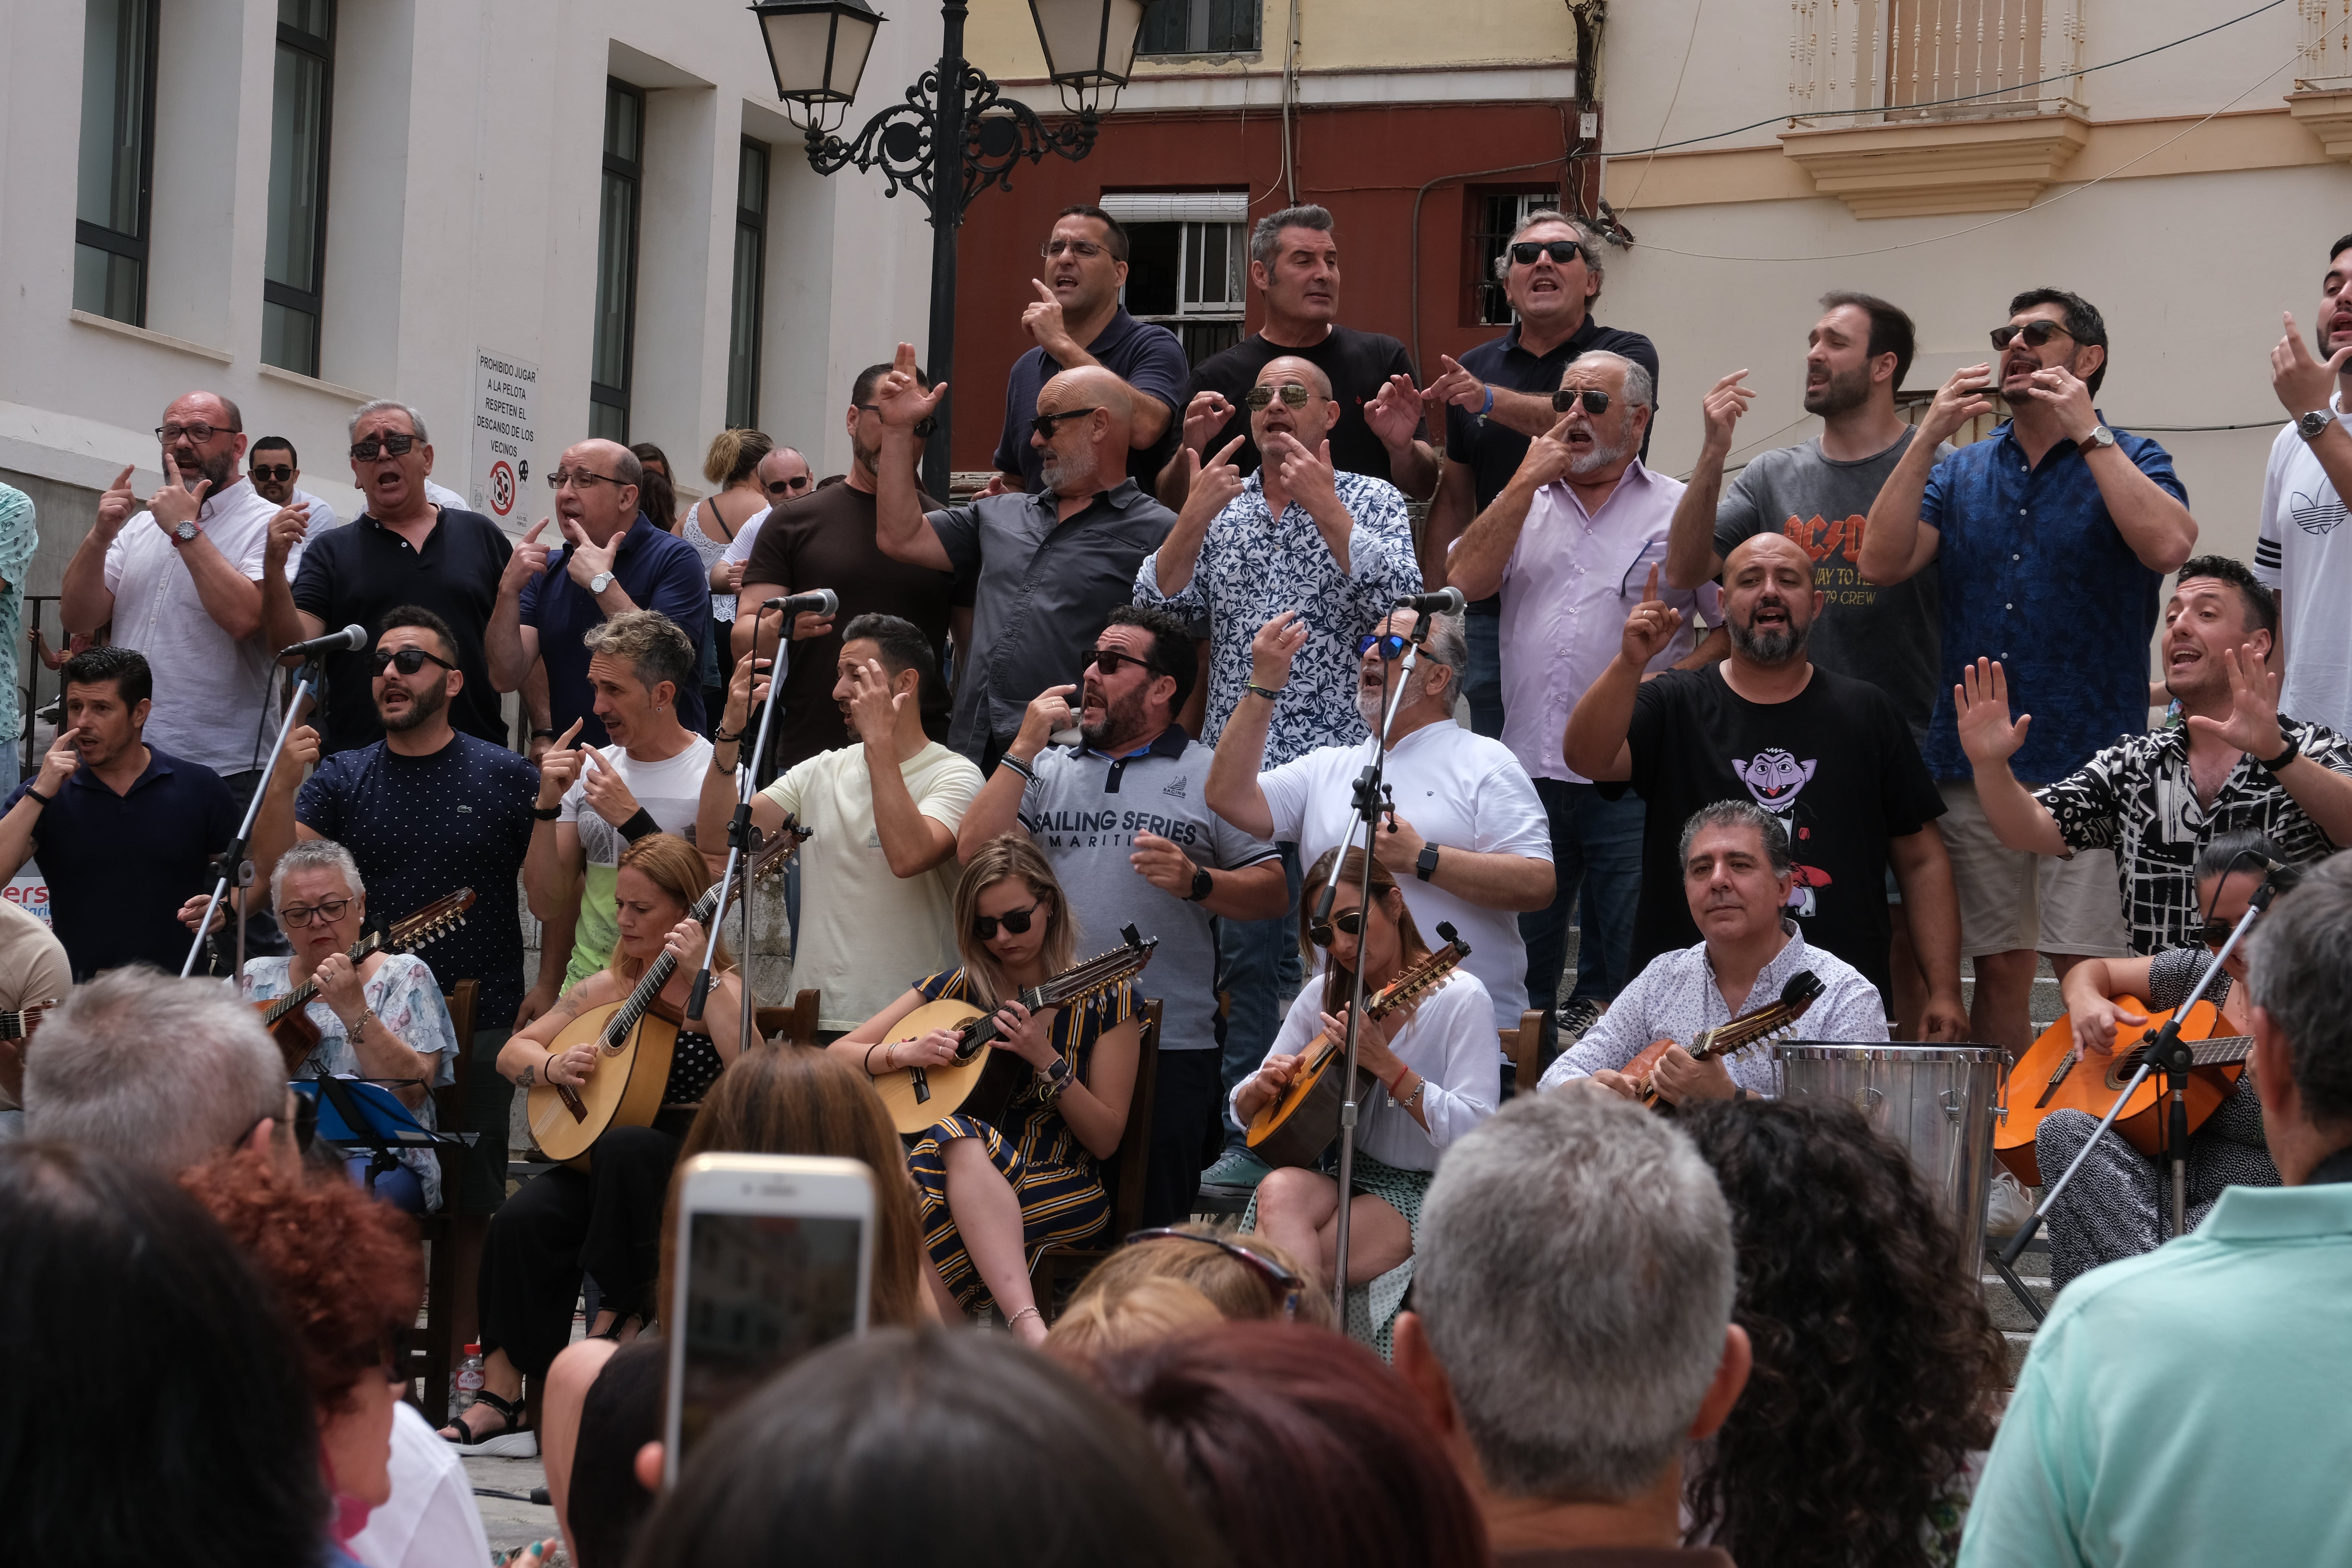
(1086, 451)
(1769, 599)
(1768, 547)
(1290, 367)
(1282, 426)
(784, 476)
(602, 498)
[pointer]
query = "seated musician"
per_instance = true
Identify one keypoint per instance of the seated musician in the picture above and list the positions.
(994, 1197)
(380, 1018)
(2119, 1204)
(1435, 1063)
(605, 1221)
(1736, 878)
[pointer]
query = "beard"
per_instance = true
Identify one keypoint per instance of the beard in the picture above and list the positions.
(865, 456)
(1120, 719)
(422, 706)
(1371, 703)
(220, 469)
(1598, 458)
(1844, 391)
(1773, 645)
(1065, 475)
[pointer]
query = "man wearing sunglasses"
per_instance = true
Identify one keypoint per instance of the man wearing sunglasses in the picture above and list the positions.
(276, 474)
(1566, 547)
(1076, 319)
(1497, 397)
(1125, 819)
(1044, 567)
(405, 551)
(783, 474)
(2053, 535)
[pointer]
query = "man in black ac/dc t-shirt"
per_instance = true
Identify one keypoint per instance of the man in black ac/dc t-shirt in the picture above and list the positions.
(1832, 757)
(1294, 265)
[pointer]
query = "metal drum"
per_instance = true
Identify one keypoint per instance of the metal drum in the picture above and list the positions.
(1938, 1101)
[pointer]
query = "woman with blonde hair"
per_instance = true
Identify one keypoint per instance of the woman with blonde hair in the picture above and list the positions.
(1243, 1274)
(710, 525)
(994, 1197)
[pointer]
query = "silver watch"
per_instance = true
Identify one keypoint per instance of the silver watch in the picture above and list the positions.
(2311, 426)
(599, 583)
(184, 531)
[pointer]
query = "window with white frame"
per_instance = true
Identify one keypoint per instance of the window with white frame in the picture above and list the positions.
(1199, 27)
(1188, 263)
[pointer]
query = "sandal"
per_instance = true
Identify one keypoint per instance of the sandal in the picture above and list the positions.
(510, 1440)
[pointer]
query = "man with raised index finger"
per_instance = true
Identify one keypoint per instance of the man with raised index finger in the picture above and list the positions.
(2303, 553)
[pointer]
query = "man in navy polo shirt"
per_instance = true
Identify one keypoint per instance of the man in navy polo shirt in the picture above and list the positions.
(126, 832)
(1125, 819)
(1497, 398)
(615, 560)
(1077, 303)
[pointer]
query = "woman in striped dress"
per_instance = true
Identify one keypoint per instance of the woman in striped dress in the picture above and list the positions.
(994, 1197)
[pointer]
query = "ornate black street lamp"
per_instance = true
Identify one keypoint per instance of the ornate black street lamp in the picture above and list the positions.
(956, 134)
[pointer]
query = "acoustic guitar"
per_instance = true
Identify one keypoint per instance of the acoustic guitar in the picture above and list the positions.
(1733, 1038)
(2055, 1074)
(1295, 1126)
(18, 1026)
(982, 1079)
(287, 1017)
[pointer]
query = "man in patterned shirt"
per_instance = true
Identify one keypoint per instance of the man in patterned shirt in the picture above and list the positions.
(1737, 875)
(2237, 764)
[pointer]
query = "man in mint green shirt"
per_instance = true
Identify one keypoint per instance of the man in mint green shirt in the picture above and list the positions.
(2194, 1404)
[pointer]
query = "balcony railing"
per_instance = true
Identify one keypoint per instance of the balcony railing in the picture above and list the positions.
(2326, 62)
(1896, 61)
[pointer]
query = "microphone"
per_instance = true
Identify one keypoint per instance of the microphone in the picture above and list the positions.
(350, 639)
(823, 601)
(1444, 602)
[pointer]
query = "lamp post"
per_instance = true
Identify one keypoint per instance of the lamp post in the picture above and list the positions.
(956, 134)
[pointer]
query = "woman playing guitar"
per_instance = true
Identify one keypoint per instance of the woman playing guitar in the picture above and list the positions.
(2119, 1204)
(994, 1195)
(605, 1221)
(1437, 1064)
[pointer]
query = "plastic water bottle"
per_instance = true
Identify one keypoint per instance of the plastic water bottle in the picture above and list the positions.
(469, 1376)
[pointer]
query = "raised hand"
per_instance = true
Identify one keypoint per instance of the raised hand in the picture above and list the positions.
(1308, 478)
(301, 754)
(2067, 395)
(748, 685)
(1726, 401)
(1981, 701)
(1958, 401)
(1548, 456)
(115, 506)
(1274, 647)
(194, 911)
(1208, 413)
(61, 762)
(1395, 414)
(1047, 712)
(1214, 483)
(1456, 386)
(2252, 725)
(1042, 320)
(173, 506)
(287, 530)
(873, 706)
(1650, 628)
(529, 559)
(559, 766)
(899, 401)
(607, 796)
(2303, 384)
(586, 560)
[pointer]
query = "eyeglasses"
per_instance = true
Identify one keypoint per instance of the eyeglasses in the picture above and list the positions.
(1108, 659)
(1013, 921)
(789, 487)
(1595, 401)
(578, 478)
(407, 660)
(1292, 394)
(276, 474)
(1043, 424)
(1286, 1287)
(199, 434)
(1563, 251)
(2035, 333)
(375, 447)
(1084, 249)
(2213, 933)
(923, 427)
(326, 909)
(1349, 922)
(1390, 644)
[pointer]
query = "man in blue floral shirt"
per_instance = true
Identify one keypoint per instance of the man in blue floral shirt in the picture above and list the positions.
(18, 539)
(1334, 548)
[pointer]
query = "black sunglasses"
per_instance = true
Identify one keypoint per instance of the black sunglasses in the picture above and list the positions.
(1293, 394)
(375, 447)
(1286, 1286)
(2213, 933)
(276, 474)
(1595, 402)
(1560, 250)
(923, 427)
(407, 660)
(1390, 644)
(1108, 659)
(1013, 921)
(1349, 922)
(790, 486)
(2035, 333)
(1043, 424)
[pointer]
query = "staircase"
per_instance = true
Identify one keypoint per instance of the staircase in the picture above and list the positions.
(2009, 1315)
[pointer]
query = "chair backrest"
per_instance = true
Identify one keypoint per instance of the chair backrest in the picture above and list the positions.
(1133, 1162)
(1524, 1045)
(449, 1099)
(796, 1023)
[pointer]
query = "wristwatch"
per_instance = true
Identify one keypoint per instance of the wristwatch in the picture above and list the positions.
(185, 530)
(1425, 867)
(1202, 885)
(2100, 435)
(2311, 426)
(599, 583)
(1054, 1080)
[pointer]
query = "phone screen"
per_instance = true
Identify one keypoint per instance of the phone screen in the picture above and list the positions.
(762, 1290)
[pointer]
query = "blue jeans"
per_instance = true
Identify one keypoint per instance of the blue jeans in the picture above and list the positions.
(1483, 685)
(1596, 855)
(1258, 965)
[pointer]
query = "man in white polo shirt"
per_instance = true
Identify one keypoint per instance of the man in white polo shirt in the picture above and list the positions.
(2304, 552)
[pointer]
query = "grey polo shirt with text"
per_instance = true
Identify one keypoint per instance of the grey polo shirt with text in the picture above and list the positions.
(1084, 810)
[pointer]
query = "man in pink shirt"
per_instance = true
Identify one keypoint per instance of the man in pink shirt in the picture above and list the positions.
(1572, 544)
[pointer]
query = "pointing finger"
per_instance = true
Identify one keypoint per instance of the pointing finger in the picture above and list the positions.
(1650, 589)
(123, 479)
(531, 534)
(570, 735)
(1231, 448)
(1045, 294)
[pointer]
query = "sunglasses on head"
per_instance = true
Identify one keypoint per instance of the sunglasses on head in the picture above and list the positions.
(1043, 424)
(1349, 922)
(1013, 921)
(375, 447)
(1390, 644)
(1285, 1287)
(1595, 400)
(1563, 251)
(407, 660)
(1293, 395)
(277, 473)
(2035, 333)
(1108, 659)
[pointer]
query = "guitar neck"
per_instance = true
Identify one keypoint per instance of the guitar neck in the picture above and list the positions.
(657, 975)
(301, 995)
(2223, 1050)
(1414, 981)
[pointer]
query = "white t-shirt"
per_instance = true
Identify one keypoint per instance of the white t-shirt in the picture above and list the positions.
(671, 790)
(430, 1520)
(739, 547)
(211, 689)
(442, 495)
(1450, 1042)
(2305, 555)
(1458, 790)
(866, 934)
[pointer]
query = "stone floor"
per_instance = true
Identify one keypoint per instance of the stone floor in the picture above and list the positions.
(501, 1490)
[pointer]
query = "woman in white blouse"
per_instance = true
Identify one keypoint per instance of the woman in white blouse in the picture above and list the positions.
(1438, 1067)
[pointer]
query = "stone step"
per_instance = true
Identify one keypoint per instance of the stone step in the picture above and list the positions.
(2016, 1344)
(2008, 1312)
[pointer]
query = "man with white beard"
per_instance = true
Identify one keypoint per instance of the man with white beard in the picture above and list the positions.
(1572, 543)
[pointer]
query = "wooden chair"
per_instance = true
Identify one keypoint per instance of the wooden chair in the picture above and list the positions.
(1131, 1168)
(1523, 1045)
(796, 1023)
(453, 1241)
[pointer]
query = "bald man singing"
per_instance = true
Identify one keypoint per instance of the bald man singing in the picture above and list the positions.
(1051, 565)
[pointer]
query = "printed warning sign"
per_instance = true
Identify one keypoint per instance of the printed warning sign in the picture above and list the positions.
(505, 438)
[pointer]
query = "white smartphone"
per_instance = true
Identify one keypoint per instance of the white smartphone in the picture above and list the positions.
(775, 1257)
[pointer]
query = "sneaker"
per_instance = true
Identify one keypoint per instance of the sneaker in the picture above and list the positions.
(1577, 1015)
(1236, 1168)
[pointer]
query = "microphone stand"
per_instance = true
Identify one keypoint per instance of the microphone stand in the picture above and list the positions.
(230, 866)
(739, 846)
(2172, 1056)
(1372, 799)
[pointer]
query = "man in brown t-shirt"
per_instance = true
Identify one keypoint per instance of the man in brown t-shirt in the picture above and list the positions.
(826, 540)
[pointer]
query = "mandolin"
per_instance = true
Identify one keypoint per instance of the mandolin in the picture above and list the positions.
(18, 1026)
(1295, 1126)
(287, 1017)
(2057, 1076)
(1742, 1034)
(981, 1081)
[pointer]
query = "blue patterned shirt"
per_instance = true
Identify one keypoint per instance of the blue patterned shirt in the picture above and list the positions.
(18, 540)
(1253, 566)
(2036, 574)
